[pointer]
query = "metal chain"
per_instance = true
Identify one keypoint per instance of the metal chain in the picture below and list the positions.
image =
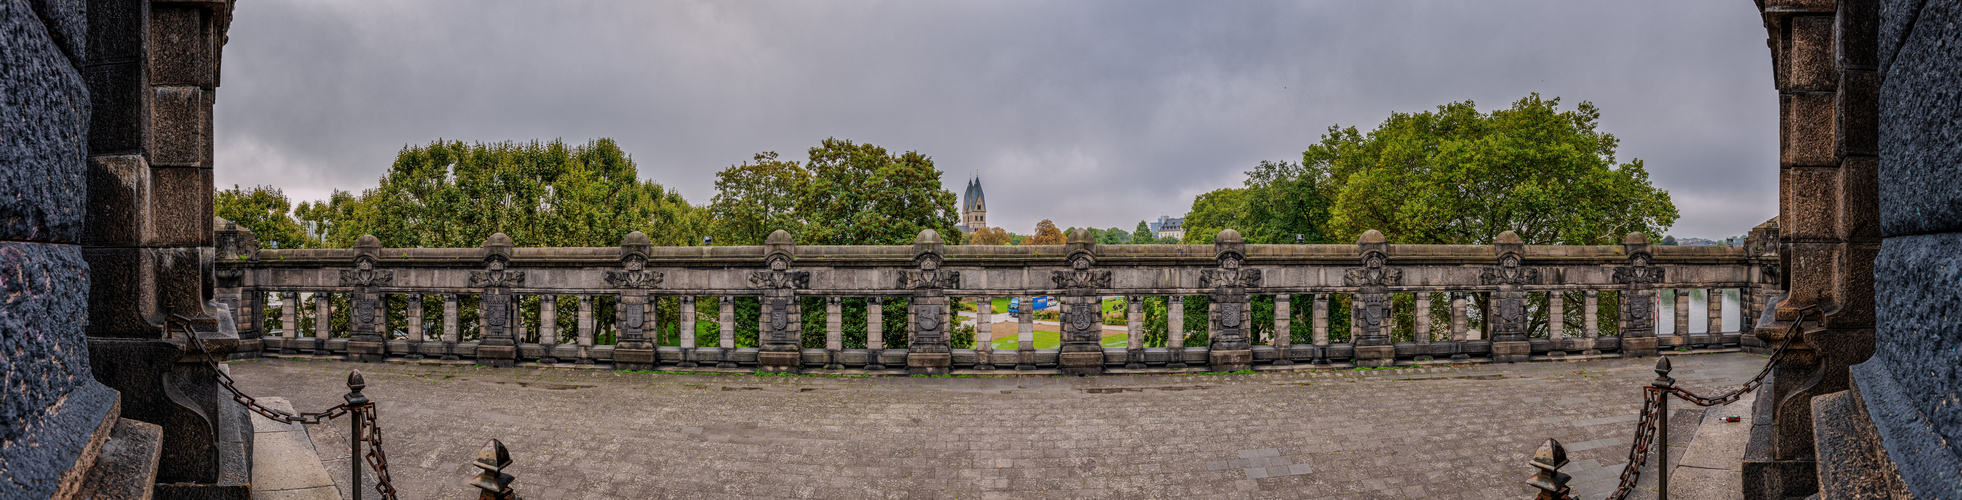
(249, 402)
(376, 458)
(1638, 451)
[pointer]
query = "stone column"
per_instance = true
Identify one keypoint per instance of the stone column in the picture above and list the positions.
(780, 331)
(1423, 326)
(1372, 300)
(875, 334)
(520, 330)
(834, 332)
(451, 326)
(1459, 322)
(1682, 327)
(1556, 324)
(728, 341)
(414, 319)
(1175, 331)
(984, 333)
(1134, 356)
(1508, 322)
(1081, 321)
(368, 317)
(585, 328)
(1231, 346)
(1713, 305)
(686, 337)
(1591, 314)
(289, 318)
(1025, 334)
(323, 319)
(548, 327)
(927, 350)
(1321, 319)
(1281, 341)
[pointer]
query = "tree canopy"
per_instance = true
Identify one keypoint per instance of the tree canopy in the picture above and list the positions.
(1459, 176)
(265, 211)
(843, 194)
(1045, 234)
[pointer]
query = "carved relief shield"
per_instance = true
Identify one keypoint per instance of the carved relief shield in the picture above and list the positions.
(778, 318)
(1083, 317)
(634, 316)
(1229, 315)
(929, 319)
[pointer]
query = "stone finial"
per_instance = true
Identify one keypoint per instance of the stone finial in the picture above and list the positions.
(1636, 247)
(494, 483)
(1550, 481)
(1508, 243)
(1372, 241)
(367, 246)
(1079, 243)
(779, 249)
(1371, 236)
(1229, 245)
(498, 244)
(779, 237)
(635, 243)
(355, 383)
(233, 241)
(927, 245)
(1662, 378)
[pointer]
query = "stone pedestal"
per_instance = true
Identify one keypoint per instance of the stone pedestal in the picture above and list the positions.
(778, 361)
(929, 363)
(1638, 346)
(370, 351)
(1511, 352)
(1080, 363)
(1230, 361)
(1376, 355)
(626, 358)
(496, 355)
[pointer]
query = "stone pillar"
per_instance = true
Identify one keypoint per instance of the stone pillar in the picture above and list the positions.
(1321, 319)
(1681, 329)
(548, 327)
(323, 319)
(686, 337)
(875, 332)
(834, 332)
(451, 326)
(289, 318)
(1458, 320)
(1508, 322)
(1134, 332)
(1423, 326)
(1371, 322)
(368, 318)
(1638, 298)
(1591, 313)
(520, 330)
(1281, 330)
(1828, 63)
(144, 204)
(1025, 335)
(585, 327)
(499, 346)
(1556, 324)
(1229, 320)
(1175, 330)
(636, 308)
(780, 332)
(984, 333)
(728, 341)
(927, 351)
(414, 318)
(1713, 306)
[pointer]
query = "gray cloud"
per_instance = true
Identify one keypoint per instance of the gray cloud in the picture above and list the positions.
(1089, 113)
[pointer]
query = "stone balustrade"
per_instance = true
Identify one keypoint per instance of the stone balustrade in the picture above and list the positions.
(1522, 295)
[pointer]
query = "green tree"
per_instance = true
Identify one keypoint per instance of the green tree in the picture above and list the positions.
(1458, 176)
(1283, 200)
(859, 194)
(1213, 211)
(753, 200)
(1142, 234)
(265, 211)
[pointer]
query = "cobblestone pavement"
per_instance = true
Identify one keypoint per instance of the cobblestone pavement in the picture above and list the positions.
(1446, 433)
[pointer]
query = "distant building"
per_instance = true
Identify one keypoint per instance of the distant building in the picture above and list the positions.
(1168, 227)
(974, 207)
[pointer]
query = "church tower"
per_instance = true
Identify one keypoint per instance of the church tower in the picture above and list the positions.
(974, 207)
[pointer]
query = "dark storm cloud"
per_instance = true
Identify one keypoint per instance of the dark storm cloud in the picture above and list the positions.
(1088, 113)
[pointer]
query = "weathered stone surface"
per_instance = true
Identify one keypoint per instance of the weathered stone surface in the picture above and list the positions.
(67, 24)
(1858, 112)
(1916, 347)
(1808, 129)
(178, 115)
(51, 403)
(127, 466)
(1920, 114)
(1809, 55)
(183, 46)
(43, 126)
(1896, 19)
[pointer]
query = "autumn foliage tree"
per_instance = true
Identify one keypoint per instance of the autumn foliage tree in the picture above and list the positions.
(1045, 234)
(988, 236)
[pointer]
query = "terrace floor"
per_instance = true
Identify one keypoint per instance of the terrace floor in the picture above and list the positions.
(1446, 433)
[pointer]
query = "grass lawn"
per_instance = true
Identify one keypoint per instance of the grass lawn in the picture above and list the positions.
(1001, 305)
(1052, 340)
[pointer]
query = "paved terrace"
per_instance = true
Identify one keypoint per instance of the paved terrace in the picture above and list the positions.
(1447, 433)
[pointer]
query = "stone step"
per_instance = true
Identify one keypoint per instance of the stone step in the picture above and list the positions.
(127, 466)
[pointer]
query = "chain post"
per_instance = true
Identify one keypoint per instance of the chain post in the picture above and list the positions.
(1551, 482)
(1663, 384)
(359, 404)
(496, 485)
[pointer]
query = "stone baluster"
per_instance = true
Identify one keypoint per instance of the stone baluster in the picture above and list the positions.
(834, 333)
(1556, 323)
(1459, 323)
(1134, 332)
(875, 332)
(414, 317)
(984, 333)
(1591, 313)
(1355, 319)
(585, 329)
(289, 321)
(548, 327)
(1422, 331)
(1713, 305)
(1025, 334)
(728, 341)
(520, 331)
(451, 328)
(685, 336)
(1175, 331)
(1682, 327)
(1281, 341)
(323, 319)
(1319, 326)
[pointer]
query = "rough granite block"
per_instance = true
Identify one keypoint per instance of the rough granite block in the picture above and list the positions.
(1810, 211)
(42, 125)
(1809, 54)
(1808, 123)
(1920, 112)
(182, 46)
(179, 117)
(1917, 340)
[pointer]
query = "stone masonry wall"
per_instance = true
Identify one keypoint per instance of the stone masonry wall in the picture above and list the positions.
(49, 402)
(1910, 386)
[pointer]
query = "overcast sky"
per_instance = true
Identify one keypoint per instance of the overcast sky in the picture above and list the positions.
(1088, 113)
